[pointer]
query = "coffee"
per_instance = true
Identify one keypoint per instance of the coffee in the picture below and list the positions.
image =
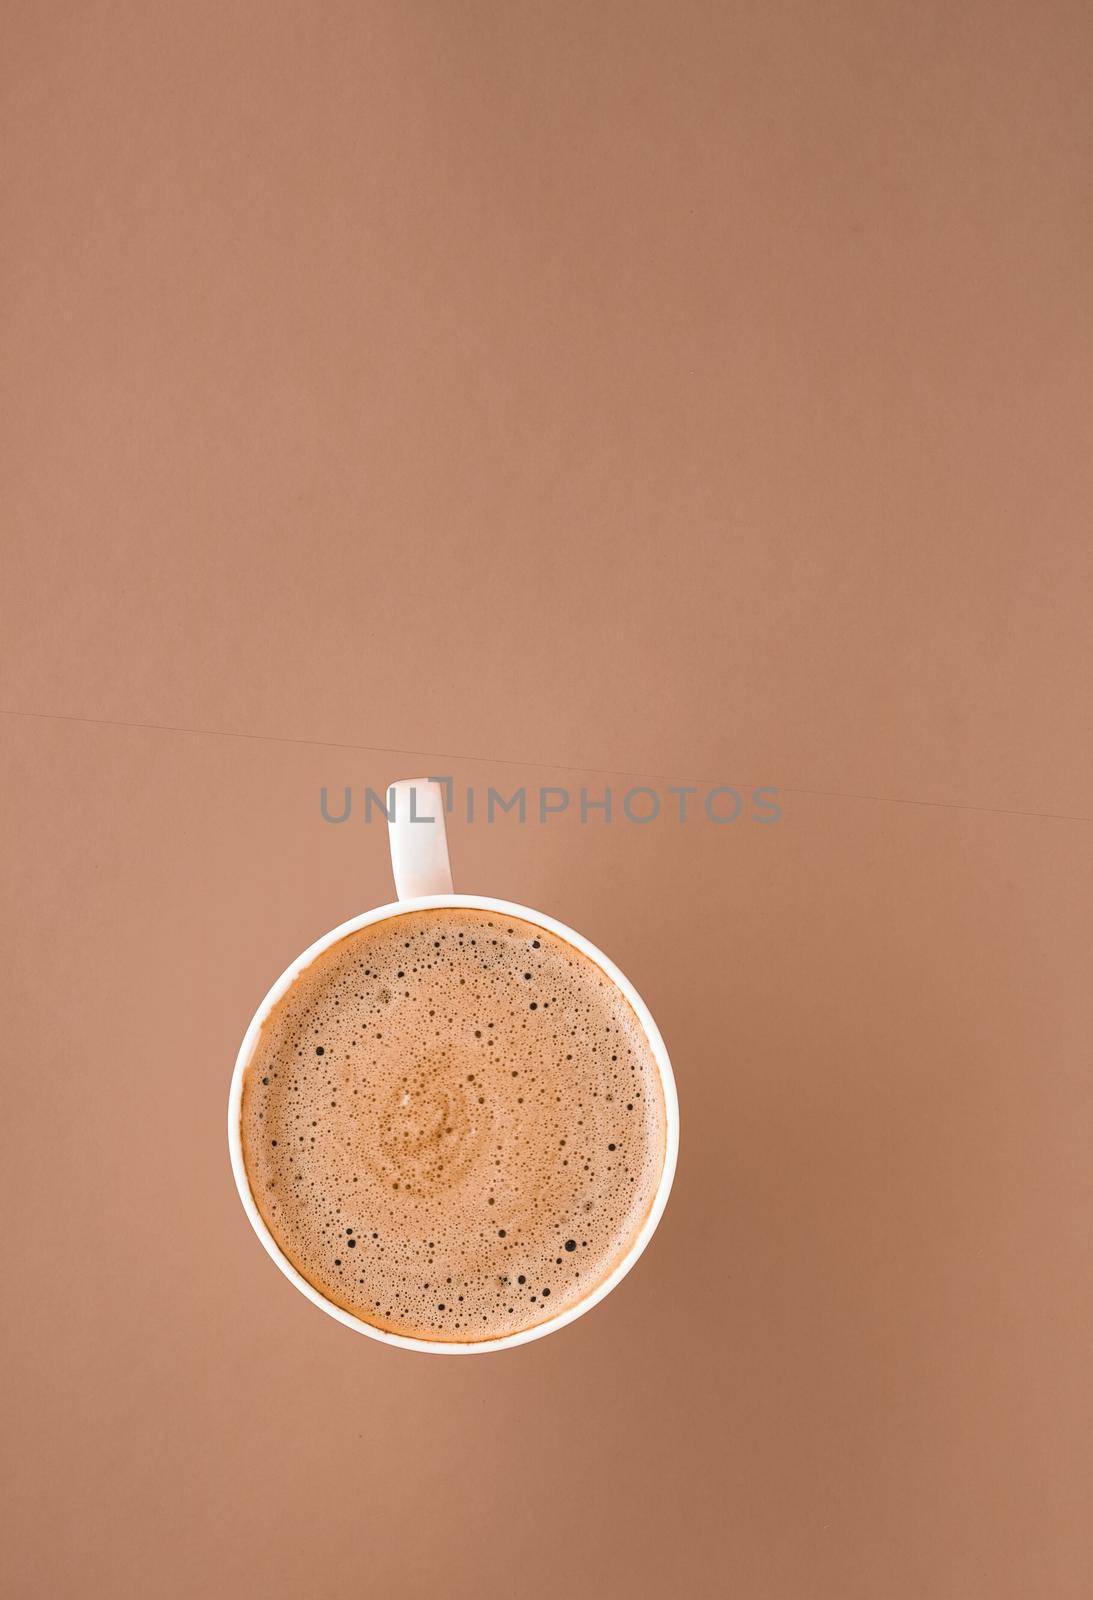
(453, 1124)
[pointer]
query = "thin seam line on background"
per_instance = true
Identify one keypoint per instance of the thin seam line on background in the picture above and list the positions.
(548, 766)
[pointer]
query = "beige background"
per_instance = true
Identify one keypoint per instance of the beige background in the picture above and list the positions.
(692, 390)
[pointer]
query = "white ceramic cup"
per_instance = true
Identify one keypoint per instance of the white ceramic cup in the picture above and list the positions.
(423, 881)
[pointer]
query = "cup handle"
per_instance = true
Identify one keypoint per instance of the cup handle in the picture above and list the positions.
(419, 839)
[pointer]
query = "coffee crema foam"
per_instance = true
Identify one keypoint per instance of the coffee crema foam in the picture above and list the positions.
(453, 1124)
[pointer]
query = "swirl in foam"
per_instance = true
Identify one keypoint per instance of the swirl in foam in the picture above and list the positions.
(453, 1124)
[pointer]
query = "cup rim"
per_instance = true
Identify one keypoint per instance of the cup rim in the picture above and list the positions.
(384, 913)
